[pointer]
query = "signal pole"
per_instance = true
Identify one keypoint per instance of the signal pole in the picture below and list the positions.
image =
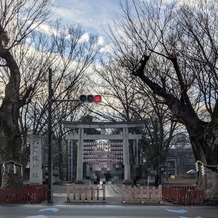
(96, 99)
(50, 101)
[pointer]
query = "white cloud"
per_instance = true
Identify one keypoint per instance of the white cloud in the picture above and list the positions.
(100, 40)
(43, 27)
(93, 15)
(84, 38)
(107, 49)
(46, 28)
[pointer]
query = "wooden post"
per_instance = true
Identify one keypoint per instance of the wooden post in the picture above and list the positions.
(147, 193)
(74, 193)
(80, 194)
(160, 194)
(86, 193)
(129, 193)
(123, 193)
(153, 194)
(103, 192)
(92, 193)
(68, 193)
(141, 194)
(97, 193)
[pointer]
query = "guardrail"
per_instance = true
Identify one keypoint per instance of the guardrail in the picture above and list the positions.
(184, 195)
(77, 193)
(141, 195)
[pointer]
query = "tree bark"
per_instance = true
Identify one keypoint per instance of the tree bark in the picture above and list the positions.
(204, 141)
(9, 112)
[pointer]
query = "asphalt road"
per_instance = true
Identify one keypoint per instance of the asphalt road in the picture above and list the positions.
(106, 211)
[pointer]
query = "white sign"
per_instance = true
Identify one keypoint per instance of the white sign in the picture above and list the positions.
(36, 159)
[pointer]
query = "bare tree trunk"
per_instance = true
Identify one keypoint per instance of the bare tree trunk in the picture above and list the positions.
(205, 149)
(212, 185)
(9, 112)
(16, 23)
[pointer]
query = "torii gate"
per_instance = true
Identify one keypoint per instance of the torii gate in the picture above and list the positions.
(125, 137)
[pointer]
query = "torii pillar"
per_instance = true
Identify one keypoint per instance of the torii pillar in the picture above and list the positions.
(79, 169)
(126, 156)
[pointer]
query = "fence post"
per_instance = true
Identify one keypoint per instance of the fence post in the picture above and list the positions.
(74, 192)
(147, 193)
(160, 194)
(68, 193)
(97, 192)
(123, 191)
(92, 193)
(86, 193)
(141, 194)
(130, 194)
(80, 193)
(103, 187)
(153, 194)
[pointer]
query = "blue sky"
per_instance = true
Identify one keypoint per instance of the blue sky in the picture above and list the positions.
(92, 15)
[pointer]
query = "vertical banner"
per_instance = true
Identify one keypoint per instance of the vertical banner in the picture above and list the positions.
(36, 159)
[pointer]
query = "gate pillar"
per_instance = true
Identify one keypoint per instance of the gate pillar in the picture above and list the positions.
(79, 169)
(126, 156)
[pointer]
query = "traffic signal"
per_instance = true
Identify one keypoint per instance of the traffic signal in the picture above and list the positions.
(90, 98)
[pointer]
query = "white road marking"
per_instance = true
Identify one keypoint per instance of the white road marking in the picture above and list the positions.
(53, 209)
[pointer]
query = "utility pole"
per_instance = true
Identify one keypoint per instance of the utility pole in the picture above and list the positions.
(50, 101)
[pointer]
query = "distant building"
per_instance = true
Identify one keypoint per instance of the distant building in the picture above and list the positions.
(180, 158)
(179, 162)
